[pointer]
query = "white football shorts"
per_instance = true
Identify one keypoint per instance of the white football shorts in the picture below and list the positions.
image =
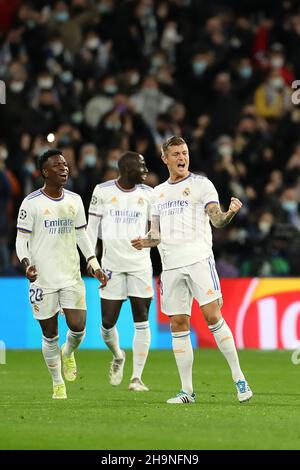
(47, 302)
(178, 287)
(120, 286)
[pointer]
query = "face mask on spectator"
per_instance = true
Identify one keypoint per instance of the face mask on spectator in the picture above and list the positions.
(277, 62)
(41, 150)
(113, 164)
(110, 89)
(134, 79)
(29, 167)
(199, 67)
(65, 139)
(156, 62)
(77, 117)
(30, 24)
(276, 83)
(66, 77)
(245, 71)
(290, 206)
(151, 92)
(92, 43)
(113, 125)
(225, 149)
(45, 83)
(17, 86)
(264, 227)
(56, 48)
(104, 8)
(90, 159)
(62, 16)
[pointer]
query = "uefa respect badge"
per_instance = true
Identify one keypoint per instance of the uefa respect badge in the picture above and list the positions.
(2, 92)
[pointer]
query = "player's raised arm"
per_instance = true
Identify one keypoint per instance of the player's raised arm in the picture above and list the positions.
(151, 239)
(220, 219)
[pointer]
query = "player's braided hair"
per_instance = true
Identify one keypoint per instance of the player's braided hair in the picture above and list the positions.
(174, 140)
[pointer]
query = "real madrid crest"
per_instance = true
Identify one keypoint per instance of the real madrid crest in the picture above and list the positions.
(186, 192)
(141, 201)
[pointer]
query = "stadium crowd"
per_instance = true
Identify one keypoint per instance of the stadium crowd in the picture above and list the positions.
(98, 77)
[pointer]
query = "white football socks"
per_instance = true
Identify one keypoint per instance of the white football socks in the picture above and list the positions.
(111, 339)
(74, 338)
(225, 342)
(51, 353)
(184, 355)
(140, 347)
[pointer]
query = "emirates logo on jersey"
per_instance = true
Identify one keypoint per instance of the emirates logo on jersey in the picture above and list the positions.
(186, 192)
(141, 201)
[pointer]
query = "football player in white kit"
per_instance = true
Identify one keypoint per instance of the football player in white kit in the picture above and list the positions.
(51, 223)
(121, 210)
(183, 208)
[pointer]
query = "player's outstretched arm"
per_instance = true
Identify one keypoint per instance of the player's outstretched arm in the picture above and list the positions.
(220, 219)
(151, 239)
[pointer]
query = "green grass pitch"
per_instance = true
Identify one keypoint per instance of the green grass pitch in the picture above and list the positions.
(99, 416)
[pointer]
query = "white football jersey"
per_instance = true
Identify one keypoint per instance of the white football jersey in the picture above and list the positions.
(52, 246)
(186, 235)
(124, 215)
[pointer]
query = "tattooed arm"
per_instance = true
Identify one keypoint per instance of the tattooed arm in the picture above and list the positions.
(220, 219)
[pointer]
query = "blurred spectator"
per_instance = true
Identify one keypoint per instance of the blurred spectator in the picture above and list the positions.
(150, 101)
(98, 77)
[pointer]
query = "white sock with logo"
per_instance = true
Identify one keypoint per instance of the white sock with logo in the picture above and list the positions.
(111, 339)
(51, 353)
(140, 347)
(225, 342)
(184, 356)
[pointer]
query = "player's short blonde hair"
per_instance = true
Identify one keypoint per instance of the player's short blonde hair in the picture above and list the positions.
(174, 140)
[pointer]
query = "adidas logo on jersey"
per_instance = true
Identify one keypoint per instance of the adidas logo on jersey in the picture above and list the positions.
(141, 201)
(114, 200)
(161, 195)
(47, 212)
(210, 292)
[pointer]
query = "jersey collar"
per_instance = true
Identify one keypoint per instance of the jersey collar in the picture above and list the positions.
(53, 198)
(177, 182)
(125, 190)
